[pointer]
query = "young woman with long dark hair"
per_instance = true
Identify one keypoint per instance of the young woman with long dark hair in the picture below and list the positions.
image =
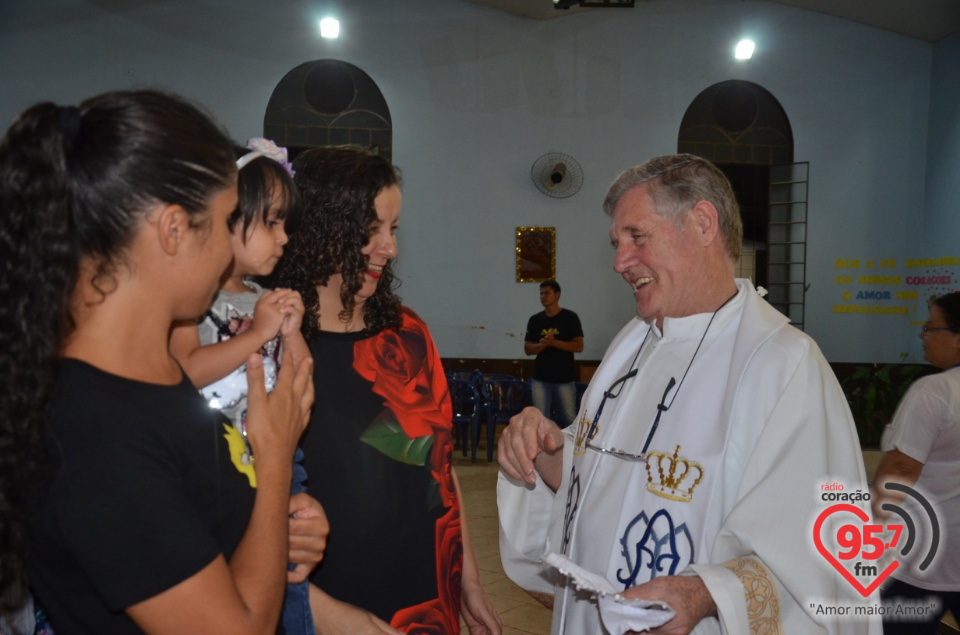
(113, 225)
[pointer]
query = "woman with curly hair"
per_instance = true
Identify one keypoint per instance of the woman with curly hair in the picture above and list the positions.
(379, 444)
(113, 226)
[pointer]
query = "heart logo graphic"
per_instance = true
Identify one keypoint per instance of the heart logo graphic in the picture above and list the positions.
(862, 515)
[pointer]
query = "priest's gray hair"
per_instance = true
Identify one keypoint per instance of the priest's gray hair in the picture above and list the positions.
(676, 183)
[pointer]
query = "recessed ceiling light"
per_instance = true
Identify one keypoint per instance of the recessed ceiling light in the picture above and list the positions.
(329, 28)
(744, 50)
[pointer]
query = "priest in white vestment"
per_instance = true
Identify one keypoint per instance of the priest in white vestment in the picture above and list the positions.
(693, 475)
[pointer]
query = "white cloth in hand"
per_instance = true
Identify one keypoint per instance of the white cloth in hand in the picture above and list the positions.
(619, 615)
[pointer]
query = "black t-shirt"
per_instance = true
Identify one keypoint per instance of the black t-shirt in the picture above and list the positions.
(382, 550)
(552, 364)
(143, 493)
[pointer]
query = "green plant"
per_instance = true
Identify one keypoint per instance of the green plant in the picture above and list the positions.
(873, 392)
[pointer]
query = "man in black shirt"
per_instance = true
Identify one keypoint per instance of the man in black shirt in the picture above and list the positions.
(554, 335)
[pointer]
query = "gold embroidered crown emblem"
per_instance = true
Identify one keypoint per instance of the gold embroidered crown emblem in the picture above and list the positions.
(583, 429)
(672, 477)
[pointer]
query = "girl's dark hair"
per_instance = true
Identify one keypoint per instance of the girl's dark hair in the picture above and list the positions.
(75, 184)
(949, 303)
(256, 184)
(338, 186)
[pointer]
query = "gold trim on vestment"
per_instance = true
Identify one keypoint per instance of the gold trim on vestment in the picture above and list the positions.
(760, 592)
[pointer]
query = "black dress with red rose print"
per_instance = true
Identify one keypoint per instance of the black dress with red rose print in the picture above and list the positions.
(378, 451)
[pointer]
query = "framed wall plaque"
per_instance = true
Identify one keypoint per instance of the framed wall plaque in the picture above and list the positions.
(536, 254)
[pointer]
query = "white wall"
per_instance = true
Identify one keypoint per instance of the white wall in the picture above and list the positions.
(942, 224)
(477, 95)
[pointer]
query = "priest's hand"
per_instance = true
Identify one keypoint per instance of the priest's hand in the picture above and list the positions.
(687, 595)
(531, 445)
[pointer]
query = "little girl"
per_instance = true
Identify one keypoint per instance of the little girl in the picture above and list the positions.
(245, 318)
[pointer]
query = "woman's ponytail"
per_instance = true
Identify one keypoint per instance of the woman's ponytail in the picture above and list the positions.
(38, 269)
(75, 185)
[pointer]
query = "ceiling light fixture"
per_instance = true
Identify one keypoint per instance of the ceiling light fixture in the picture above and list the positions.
(744, 50)
(330, 28)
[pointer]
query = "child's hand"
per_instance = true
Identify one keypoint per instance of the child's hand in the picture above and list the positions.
(268, 315)
(291, 306)
(276, 421)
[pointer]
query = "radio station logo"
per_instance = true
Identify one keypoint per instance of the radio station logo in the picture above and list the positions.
(858, 547)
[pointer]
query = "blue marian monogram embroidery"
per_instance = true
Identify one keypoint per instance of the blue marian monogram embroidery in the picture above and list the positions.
(661, 548)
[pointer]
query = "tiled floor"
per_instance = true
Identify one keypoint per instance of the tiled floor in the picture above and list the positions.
(478, 482)
(521, 614)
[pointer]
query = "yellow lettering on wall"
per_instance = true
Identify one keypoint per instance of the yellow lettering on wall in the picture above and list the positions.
(842, 263)
(864, 309)
(933, 262)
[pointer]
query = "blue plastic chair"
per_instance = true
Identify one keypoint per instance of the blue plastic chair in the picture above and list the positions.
(502, 399)
(480, 378)
(464, 375)
(466, 412)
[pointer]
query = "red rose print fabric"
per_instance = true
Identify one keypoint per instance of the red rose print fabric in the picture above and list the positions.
(404, 369)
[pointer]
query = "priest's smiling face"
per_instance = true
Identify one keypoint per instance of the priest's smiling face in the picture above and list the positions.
(663, 261)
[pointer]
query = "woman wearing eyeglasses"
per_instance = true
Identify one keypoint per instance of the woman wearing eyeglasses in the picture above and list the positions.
(922, 451)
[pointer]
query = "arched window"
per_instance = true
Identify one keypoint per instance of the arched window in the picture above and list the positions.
(743, 129)
(328, 102)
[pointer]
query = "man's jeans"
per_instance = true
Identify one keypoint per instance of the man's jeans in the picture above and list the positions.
(561, 398)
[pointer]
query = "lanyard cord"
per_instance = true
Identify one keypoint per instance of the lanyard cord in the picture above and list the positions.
(662, 406)
(608, 393)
